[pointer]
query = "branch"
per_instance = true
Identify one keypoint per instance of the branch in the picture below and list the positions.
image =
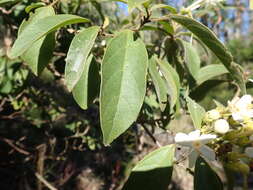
(45, 182)
(151, 136)
(10, 143)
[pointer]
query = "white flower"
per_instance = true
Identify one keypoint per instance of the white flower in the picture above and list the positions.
(196, 142)
(221, 126)
(194, 139)
(241, 108)
(213, 114)
(249, 152)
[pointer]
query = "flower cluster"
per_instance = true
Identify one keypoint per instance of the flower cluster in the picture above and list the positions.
(226, 135)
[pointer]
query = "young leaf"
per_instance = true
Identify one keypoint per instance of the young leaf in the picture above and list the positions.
(160, 158)
(172, 81)
(39, 54)
(210, 71)
(83, 92)
(34, 6)
(123, 85)
(192, 59)
(196, 111)
(207, 36)
(8, 1)
(205, 177)
(164, 6)
(212, 42)
(154, 171)
(159, 83)
(135, 3)
(41, 28)
(78, 52)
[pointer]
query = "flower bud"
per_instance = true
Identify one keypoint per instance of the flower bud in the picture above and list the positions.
(221, 126)
(213, 114)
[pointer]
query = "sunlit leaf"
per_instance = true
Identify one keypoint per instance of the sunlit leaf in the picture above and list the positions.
(192, 59)
(172, 81)
(87, 87)
(159, 83)
(163, 6)
(39, 54)
(41, 28)
(78, 52)
(123, 85)
(210, 71)
(154, 171)
(135, 3)
(214, 44)
(34, 6)
(8, 1)
(196, 111)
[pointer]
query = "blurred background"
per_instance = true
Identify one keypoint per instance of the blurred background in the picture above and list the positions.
(43, 132)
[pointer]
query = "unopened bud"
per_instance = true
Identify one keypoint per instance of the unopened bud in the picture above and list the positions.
(213, 114)
(221, 126)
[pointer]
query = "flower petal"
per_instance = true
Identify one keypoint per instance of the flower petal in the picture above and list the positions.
(204, 139)
(194, 135)
(244, 101)
(208, 153)
(192, 158)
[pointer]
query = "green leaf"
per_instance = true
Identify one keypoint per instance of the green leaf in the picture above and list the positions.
(192, 59)
(34, 6)
(39, 54)
(41, 28)
(210, 71)
(79, 50)
(123, 86)
(160, 158)
(172, 81)
(154, 171)
(205, 177)
(212, 42)
(132, 4)
(164, 6)
(196, 111)
(207, 36)
(159, 83)
(167, 26)
(87, 87)
(8, 1)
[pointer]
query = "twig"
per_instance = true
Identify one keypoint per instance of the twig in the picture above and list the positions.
(10, 142)
(4, 11)
(151, 136)
(40, 162)
(45, 182)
